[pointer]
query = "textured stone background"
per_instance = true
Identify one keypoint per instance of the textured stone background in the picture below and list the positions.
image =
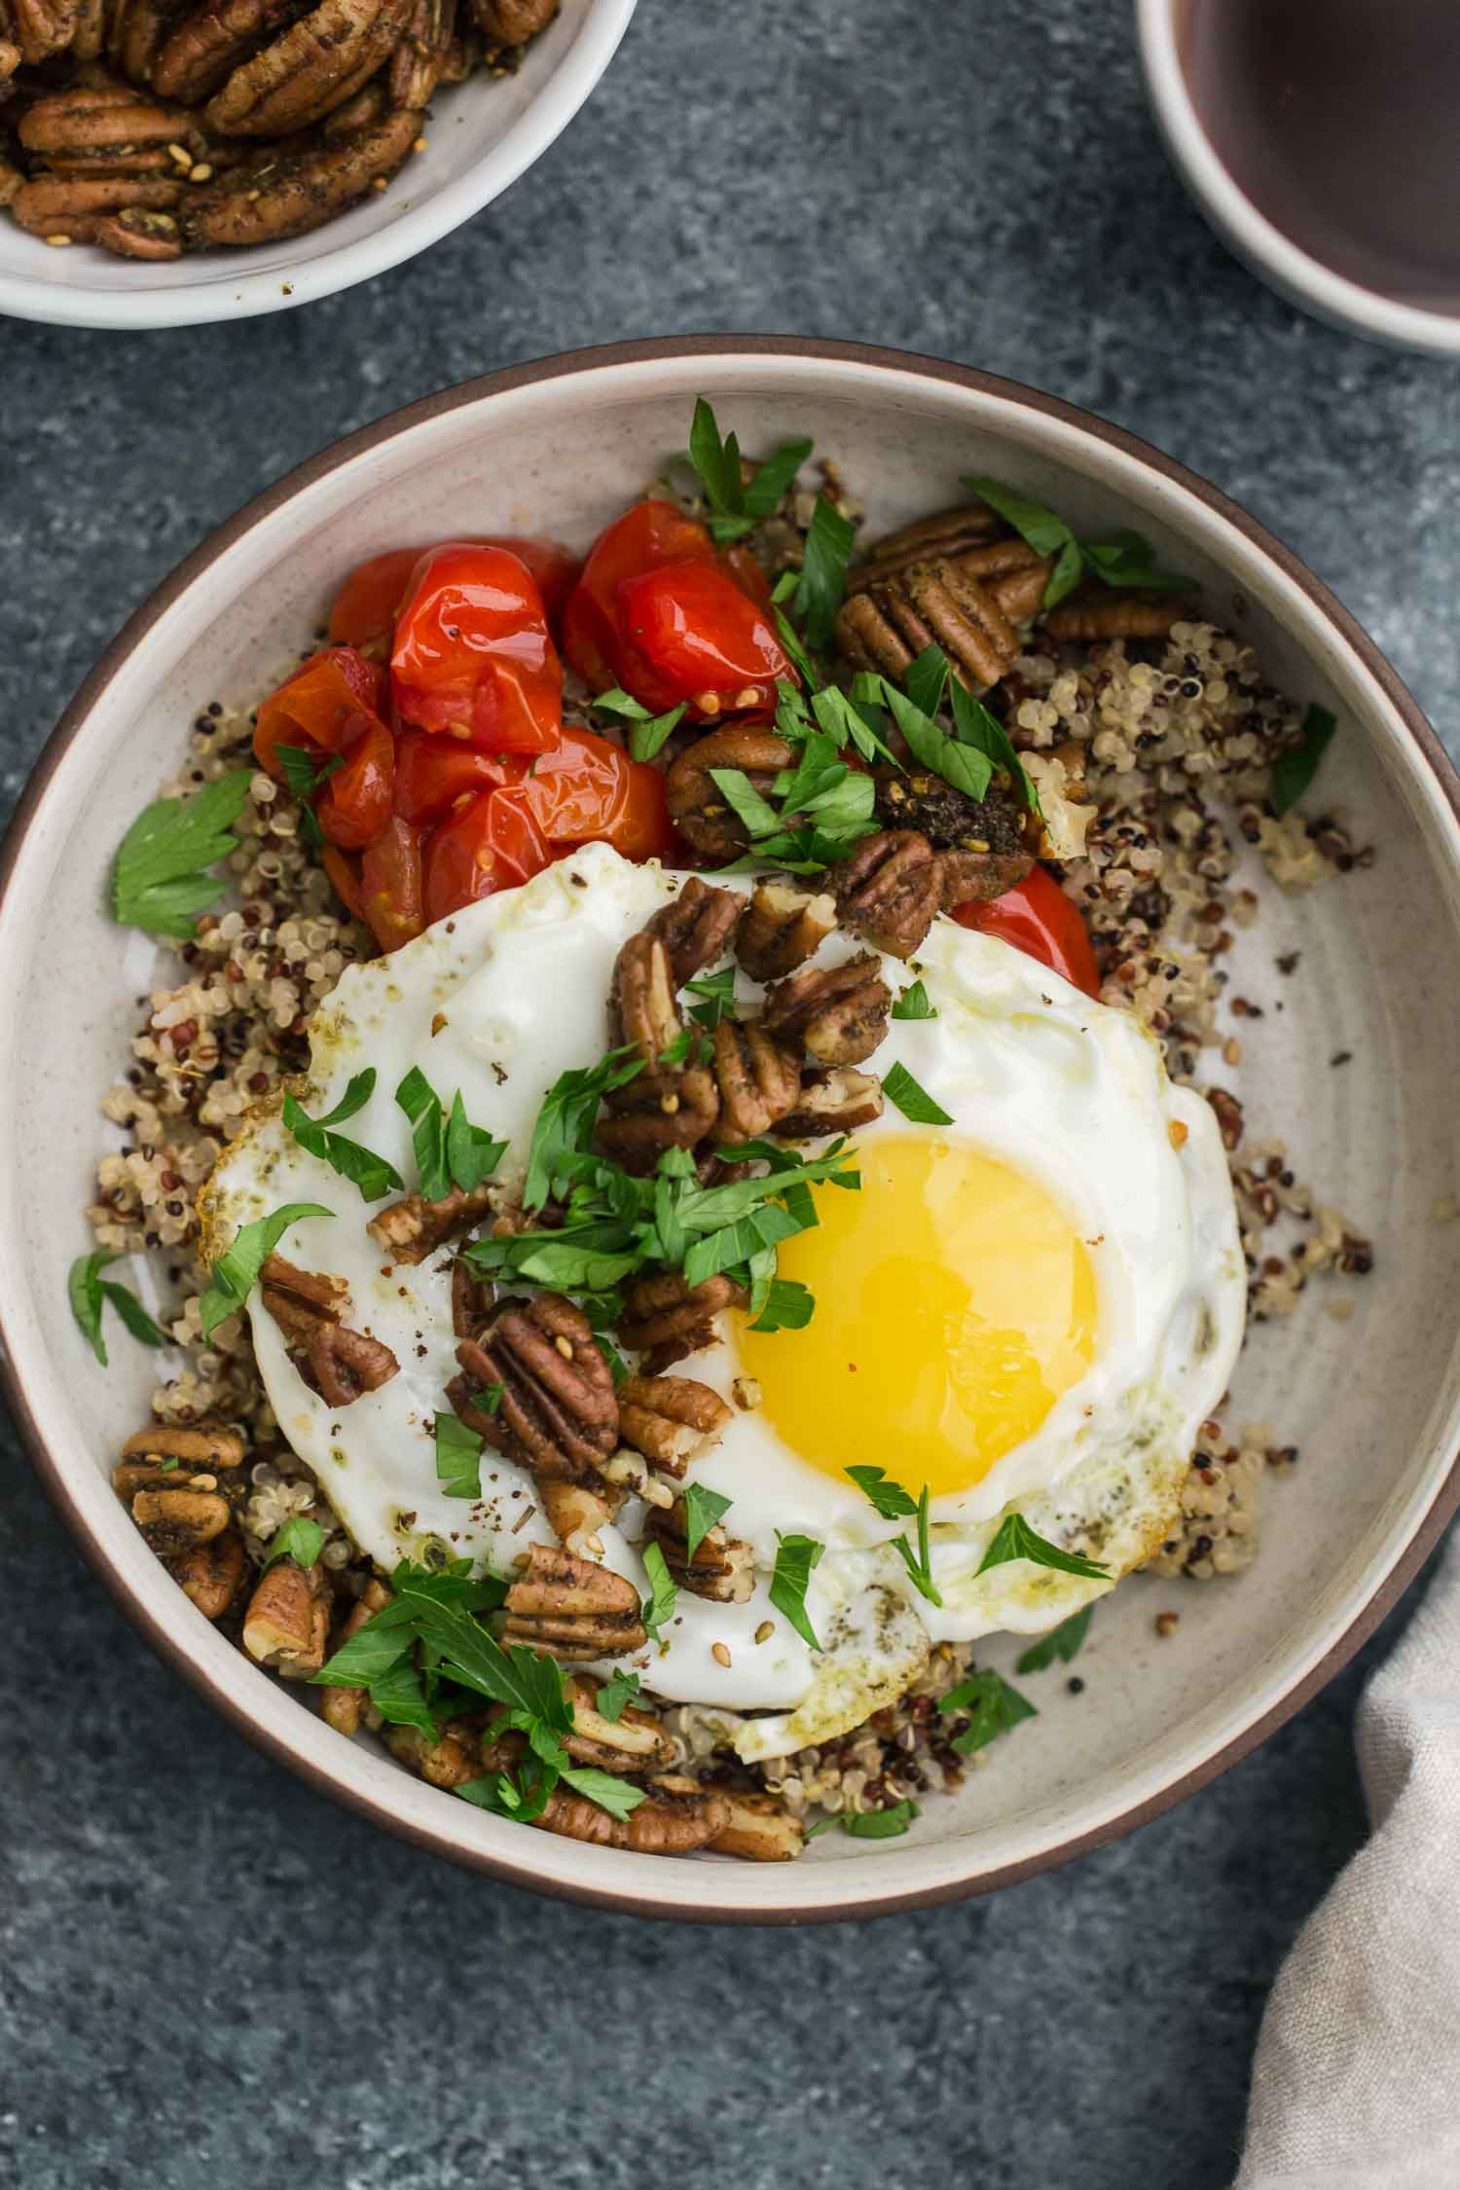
(209, 1975)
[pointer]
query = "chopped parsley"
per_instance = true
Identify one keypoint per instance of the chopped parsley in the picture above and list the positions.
(738, 505)
(912, 1098)
(373, 1174)
(1063, 1642)
(822, 585)
(1125, 559)
(648, 734)
(893, 1503)
(703, 1510)
(300, 1539)
(914, 1003)
(236, 1272)
(450, 1152)
(888, 1824)
(89, 1292)
(161, 880)
(1015, 1539)
(991, 1706)
(1294, 770)
(616, 1693)
(459, 1455)
(797, 1558)
(658, 1607)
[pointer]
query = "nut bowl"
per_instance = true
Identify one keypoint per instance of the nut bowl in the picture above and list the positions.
(479, 137)
(1373, 1403)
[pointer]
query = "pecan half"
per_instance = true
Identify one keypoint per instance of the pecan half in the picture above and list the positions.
(968, 877)
(177, 1521)
(136, 233)
(837, 1014)
(314, 65)
(887, 890)
(343, 1364)
(671, 1420)
(558, 1414)
(107, 129)
(449, 1762)
(284, 195)
(674, 1108)
(1103, 614)
(135, 32)
(680, 1817)
(76, 205)
(577, 1511)
(342, 1707)
(781, 928)
(512, 22)
(208, 1445)
(642, 999)
(696, 929)
(698, 807)
(211, 1573)
(947, 536)
(833, 1102)
(338, 1363)
(758, 1080)
(891, 623)
(301, 1302)
(413, 1228)
(420, 58)
(288, 1618)
(203, 50)
(36, 28)
(761, 1830)
(665, 1318)
(472, 1299)
(572, 1608)
(634, 1742)
(721, 1569)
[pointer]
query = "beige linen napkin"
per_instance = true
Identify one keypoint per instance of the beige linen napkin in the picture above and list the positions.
(1356, 2084)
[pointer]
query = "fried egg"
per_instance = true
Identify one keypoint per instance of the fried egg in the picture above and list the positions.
(1028, 1309)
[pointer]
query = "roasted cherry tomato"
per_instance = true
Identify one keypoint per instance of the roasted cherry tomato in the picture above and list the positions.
(344, 874)
(1037, 917)
(432, 773)
(742, 566)
(355, 802)
(390, 889)
(649, 534)
(367, 603)
(472, 654)
(701, 640)
(589, 791)
(491, 843)
(327, 703)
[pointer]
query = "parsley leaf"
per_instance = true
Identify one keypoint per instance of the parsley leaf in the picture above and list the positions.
(471, 1153)
(88, 1291)
(617, 1691)
(913, 1100)
(1015, 1539)
(888, 1824)
(896, 1504)
(823, 581)
(373, 1174)
(914, 1003)
(422, 1105)
(565, 1122)
(737, 505)
(617, 1796)
(458, 1456)
(304, 776)
(964, 766)
(160, 880)
(889, 1498)
(1294, 770)
(1062, 1642)
(1126, 559)
(300, 1539)
(1033, 521)
(717, 994)
(797, 1558)
(648, 734)
(992, 1706)
(236, 1272)
(658, 1607)
(919, 1560)
(926, 680)
(788, 1306)
(977, 725)
(703, 1509)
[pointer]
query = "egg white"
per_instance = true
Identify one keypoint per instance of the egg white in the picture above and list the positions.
(501, 999)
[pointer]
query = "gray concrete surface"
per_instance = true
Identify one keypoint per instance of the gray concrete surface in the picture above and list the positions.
(211, 1977)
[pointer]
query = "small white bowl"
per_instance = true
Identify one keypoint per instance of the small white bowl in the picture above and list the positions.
(1272, 255)
(480, 136)
(1373, 1402)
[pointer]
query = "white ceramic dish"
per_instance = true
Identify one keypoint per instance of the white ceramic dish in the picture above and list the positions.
(1273, 256)
(480, 137)
(1374, 1403)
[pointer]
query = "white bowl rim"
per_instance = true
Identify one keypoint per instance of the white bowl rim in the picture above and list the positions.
(340, 267)
(696, 1899)
(1304, 279)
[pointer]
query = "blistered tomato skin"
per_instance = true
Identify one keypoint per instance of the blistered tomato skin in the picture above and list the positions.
(706, 644)
(390, 885)
(648, 535)
(355, 802)
(325, 706)
(589, 791)
(1038, 919)
(473, 658)
(366, 606)
(491, 842)
(432, 773)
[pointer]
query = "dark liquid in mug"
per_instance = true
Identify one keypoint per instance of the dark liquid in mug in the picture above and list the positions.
(1340, 119)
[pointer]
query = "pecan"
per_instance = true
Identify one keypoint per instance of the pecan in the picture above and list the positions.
(449, 1762)
(210, 42)
(887, 890)
(758, 1080)
(135, 233)
(891, 623)
(11, 58)
(670, 1109)
(417, 64)
(175, 1522)
(338, 1363)
(314, 65)
(288, 1618)
(301, 1302)
(472, 1298)
(666, 1318)
(572, 1608)
(342, 1364)
(36, 28)
(1014, 573)
(75, 206)
(280, 196)
(696, 929)
(341, 1707)
(410, 1229)
(641, 998)
(761, 1830)
(210, 1574)
(833, 1102)
(781, 928)
(671, 1420)
(1095, 614)
(721, 1569)
(577, 1511)
(680, 1817)
(966, 877)
(558, 1414)
(209, 1445)
(948, 818)
(697, 806)
(837, 1014)
(106, 130)
(947, 536)
(633, 1742)
(512, 22)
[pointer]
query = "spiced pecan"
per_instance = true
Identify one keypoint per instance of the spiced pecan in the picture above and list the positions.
(698, 807)
(135, 33)
(1098, 612)
(680, 1817)
(665, 1318)
(342, 1707)
(760, 1830)
(781, 928)
(673, 1108)
(758, 1080)
(99, 130)
(887, 890)
(136, 233)
(472, 1298)
(947, 536)
(721, 1567)
(449, 1762)
(928, 604)
(642, 1000)
(577, 1511)
(282, 195)
(313, 65)
(339, 1363)
(512, 22)
(206, 1445)
(203, 49)
(557, 1413)
(634, 1742)
(696, 928)
(175, 1522)
(76, 205)
(343, 1365)
(287, 1622)
(671, 1420)
(832, 1102)
(572, 1608)
(36, 28)
(211, 1573)
(837, 1014)
(417, 64)
(301, 1302)
(966, 878)
(410, 1229)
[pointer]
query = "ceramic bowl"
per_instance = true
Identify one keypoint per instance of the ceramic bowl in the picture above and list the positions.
(1273, 256)
(480, 137)
(1373, 1403)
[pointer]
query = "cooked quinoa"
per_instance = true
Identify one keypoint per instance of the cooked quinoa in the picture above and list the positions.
(1172, 740)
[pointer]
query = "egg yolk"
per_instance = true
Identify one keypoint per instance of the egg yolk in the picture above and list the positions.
(954, 1304)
